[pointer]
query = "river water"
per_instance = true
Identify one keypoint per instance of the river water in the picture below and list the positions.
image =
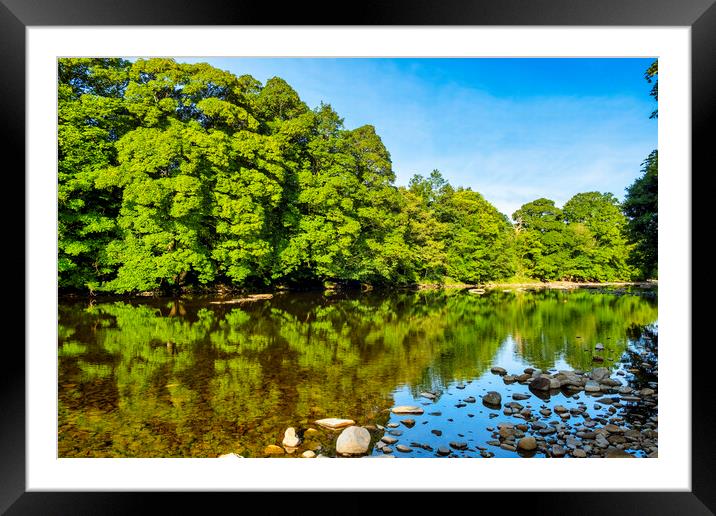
(202, 377)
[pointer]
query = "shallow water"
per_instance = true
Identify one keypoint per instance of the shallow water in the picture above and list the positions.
(198, 377)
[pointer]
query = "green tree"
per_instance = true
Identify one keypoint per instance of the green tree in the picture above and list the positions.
(641, 206)
(599, 243)
(540, 235)
(478, 238)
(91, 118)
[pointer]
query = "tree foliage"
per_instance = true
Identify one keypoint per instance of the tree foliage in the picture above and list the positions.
(174, 176)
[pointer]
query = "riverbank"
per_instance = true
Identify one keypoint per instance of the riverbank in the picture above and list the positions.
(256, 294)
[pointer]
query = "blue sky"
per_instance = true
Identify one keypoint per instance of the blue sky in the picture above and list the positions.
(512, 129)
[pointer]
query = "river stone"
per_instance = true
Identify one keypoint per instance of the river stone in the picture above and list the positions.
(403, 448)
(523, 377)
(272, 449)
(354, 440)
(540, 384)
(410, 423)
(437, 432)
(428, 395)
(646, 392)
(308, 454)
(554, 383)
(506, 433)
(387, 450)
(443, 451)
(469, 399)
(519, 396)
(492, 398)
(458, 445)
(335, 423)
(613, 429)
(509, 379)
(290, 439)
(616, 453)
(230, 456)
(388, 439)
(599, 373)
(407, 409)
(499, 370)
(527, 444)
(580, 454)
(558, 451)
(309, 432)
(592, 386)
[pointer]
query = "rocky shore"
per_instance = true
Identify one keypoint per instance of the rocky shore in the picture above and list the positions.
(598, 413)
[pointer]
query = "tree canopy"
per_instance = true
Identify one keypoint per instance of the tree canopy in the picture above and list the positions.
(175, 176)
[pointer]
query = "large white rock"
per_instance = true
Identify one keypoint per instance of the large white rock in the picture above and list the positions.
(354, 440)
(334, 423)
(290, 439)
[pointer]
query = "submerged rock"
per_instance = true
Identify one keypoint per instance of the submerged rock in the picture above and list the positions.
(272, 449)
(498, 370)
(616, 453)
(492, 398)
(540, 384)
(527, 444)
(354, 440)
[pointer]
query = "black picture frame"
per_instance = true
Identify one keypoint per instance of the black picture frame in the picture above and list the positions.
(699, 15)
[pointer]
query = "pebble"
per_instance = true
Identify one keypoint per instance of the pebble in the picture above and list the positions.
(308, 454)
(444, 452)
(404, 449)
(436, 432)
(410, 423)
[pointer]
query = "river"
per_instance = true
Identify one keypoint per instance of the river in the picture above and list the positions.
(203, 377)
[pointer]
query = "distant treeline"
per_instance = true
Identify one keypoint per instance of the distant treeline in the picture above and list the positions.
(182, 175)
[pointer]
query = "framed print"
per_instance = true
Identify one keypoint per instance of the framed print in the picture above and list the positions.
(256, 239)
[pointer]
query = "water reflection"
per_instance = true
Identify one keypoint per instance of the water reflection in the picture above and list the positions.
(196, 378)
